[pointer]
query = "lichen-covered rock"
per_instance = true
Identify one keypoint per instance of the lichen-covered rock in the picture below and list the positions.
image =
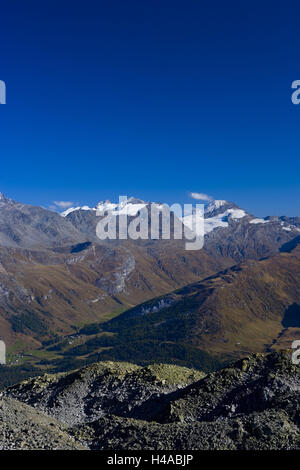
(260, 382)
(103, 388)
(23, 427)
(251, 404)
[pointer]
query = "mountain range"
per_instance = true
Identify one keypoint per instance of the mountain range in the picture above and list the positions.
(231, 297)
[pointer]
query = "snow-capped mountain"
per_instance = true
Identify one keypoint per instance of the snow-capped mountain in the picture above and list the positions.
(5, 200)
(217, 214)
(130, 206)
(78, 208)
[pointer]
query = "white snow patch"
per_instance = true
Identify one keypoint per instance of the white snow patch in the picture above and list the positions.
(79, 208)
(123, 208)
(220, 220)
(129, 209)
(103, 207)
(236, 213)
(259, 221)
(290, 228)
(68, 211)
(214, 222)
(87, 208)
(106, 206)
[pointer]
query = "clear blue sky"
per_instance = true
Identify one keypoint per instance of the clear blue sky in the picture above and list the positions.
(151, 98)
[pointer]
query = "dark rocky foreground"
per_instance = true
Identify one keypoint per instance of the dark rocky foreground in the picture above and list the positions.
(252, 404)
(23, 427)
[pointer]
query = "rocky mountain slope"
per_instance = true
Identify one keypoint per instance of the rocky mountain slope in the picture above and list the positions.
(31, 227)
(104, 388)
(44, 294)
(251, 404)
(24, 428)
(251, 307)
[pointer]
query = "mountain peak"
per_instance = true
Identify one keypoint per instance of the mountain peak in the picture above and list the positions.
(128, 206)
(4, 199)
(219, 206)
(215, 204)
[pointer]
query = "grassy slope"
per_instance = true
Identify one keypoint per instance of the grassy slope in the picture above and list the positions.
(49, 292)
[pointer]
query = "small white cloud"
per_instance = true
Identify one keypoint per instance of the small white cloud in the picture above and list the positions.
(63, 204)
(201, 196)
